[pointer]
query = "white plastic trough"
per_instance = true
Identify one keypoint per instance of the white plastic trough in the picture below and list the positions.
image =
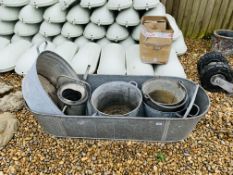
(42, 3)
(179, 45)
(67, 50)
(10, 54)
(136, 32)
(173, 68)
(91, 4)
(4, 42)
(112, 61)
(117, 33)
(31, 15)
(119, 4)
(26, 61)
(14, 3)
(145, 4)
(103, 42)
(134, 64)
(8, 13)
(127, 42)
(71, 31)
(102, 16)
(50, 29)
(93, 31)
(60, 39)
(6, 28)
(55, 14)
(81, 41)
(87, 55)
(128, 17)
(16, 38)
(64, 4)
(159, 10)
(175, 27)
(78, 15)
(39, 38)
(23, 29)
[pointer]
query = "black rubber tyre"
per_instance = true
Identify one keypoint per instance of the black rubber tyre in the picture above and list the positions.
(215, 69)
(210, 58)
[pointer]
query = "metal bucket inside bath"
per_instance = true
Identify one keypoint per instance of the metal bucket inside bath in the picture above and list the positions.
(222, 41)
(73, 95)
(117, 99)
(151, 112)
(165, 95)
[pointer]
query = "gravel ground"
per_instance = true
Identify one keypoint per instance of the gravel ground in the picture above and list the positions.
(209, 150)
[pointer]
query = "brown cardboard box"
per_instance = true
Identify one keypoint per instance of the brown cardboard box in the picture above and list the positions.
(155, 39)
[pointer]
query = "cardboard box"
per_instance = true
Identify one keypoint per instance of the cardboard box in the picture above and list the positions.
(155, 40)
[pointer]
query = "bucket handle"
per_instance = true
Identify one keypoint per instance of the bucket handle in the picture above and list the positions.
(181, 84)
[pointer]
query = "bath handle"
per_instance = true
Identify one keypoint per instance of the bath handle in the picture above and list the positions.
(181, 115)
(134, 83)
(181, 84)
(190, 106)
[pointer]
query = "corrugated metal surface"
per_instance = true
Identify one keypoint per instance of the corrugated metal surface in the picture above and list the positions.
(198, 18)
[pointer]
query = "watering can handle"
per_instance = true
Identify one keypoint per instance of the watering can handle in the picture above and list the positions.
(64, 76)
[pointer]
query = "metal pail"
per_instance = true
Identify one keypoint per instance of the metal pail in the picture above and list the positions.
(165, 95)
(222, 41)
(117, 99)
